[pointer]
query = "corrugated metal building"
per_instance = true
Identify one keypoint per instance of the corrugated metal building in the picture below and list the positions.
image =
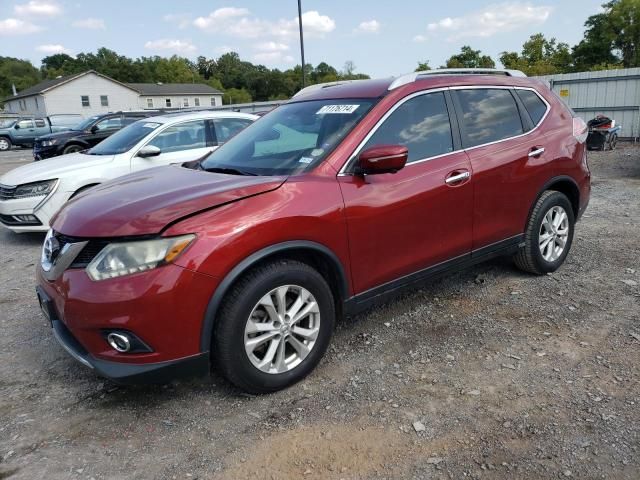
(614, 93)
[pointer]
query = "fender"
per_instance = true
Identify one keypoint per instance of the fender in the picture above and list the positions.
(214, 304)
(547, 184)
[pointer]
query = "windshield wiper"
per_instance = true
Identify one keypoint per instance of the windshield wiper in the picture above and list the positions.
(230, 171)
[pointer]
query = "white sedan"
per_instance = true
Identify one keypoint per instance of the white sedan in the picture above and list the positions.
(30, 195)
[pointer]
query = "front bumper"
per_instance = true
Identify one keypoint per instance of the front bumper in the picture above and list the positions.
(122, 373)
(42, 207)
(40, 153)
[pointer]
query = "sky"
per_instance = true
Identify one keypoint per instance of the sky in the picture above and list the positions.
(381, 38)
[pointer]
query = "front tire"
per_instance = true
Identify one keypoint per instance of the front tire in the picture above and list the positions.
(548, 236)
(5, 144)
(274, 326)
(72, 149)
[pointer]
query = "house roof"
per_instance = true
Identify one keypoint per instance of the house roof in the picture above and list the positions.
(47, 85)
(174, 89)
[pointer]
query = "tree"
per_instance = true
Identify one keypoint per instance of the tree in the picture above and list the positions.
(422, 66)
(469, 58)
(236, 95)
(597, 46)
(20, 73)
(540, 56)
(623, 18)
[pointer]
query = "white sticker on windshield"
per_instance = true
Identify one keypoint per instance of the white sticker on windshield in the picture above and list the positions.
(305, 160)
(337, 109)
(150, 125)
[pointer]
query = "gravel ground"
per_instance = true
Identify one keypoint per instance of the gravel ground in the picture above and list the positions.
(489, 373)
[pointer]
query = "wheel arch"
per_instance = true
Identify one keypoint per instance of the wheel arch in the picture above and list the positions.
(314, 254)
(81, 189)
(563, 184)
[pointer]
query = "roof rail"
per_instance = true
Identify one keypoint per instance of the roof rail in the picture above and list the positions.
(319, 86)
(413, 76)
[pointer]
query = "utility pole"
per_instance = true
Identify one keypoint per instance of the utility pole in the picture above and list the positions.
(301, 38)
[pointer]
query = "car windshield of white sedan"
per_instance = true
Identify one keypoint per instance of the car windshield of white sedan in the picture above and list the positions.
(293, 138)
(124, 140)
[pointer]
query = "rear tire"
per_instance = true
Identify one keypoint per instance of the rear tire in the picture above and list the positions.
(72, 149)
(262, 349)
(5, 144)
(548, 236)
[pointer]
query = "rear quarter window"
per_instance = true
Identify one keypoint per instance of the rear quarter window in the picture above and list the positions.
(534, 105)
(488, 115)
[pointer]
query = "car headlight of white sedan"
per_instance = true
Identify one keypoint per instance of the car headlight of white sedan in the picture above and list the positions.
(35, 189)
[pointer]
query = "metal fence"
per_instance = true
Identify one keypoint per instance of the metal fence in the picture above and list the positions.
(614, 93)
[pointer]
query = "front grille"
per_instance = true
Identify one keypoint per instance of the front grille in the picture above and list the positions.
(7, 192)
(89, 251)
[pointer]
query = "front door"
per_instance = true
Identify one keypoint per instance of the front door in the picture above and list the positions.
(24, 132)
(420, 216)
(178, 143)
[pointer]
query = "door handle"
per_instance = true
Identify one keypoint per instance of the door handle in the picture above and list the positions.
(457, 178)
(536, 152)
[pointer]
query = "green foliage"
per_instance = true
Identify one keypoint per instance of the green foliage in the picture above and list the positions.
(540, 56)
(20, 73)
(236, 95)
(470, 58)
(422, 66)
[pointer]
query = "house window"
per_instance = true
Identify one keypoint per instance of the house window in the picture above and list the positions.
(85, 100)
(167, 102)
(23, 104)
(196, 102)
(213, 101)
(149, 102)
(104, 100)
(185, 102)
(36, 101)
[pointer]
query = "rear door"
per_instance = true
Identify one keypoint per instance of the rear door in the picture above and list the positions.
(226, 128)
(178, 143)
(506, 151)
(420, 216)
(41, 127)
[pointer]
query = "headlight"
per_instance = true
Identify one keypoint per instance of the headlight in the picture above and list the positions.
(49, 143)
(35, 189)
(126, 258)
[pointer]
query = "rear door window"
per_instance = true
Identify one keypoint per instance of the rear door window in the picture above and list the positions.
(227, 127)
(421, 124)
(533, 104)
(488, 115)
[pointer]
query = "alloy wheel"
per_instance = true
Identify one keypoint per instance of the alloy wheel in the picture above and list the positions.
(282, 329)
(4, 145)
(554, 233)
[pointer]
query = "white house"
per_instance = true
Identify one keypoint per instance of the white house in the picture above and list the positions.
(91, 93)
(177, 95)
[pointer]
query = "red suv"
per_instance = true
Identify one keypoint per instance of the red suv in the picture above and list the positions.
(336, 200)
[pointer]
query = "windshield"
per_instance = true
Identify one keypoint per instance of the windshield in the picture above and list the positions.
(295, 137)
(7, 123)
(123, 140)
(86, 123)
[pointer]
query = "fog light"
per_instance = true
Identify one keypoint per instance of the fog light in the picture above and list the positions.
(26, 218)
(119, 342)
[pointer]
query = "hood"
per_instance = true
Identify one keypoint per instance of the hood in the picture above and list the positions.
(55, 167)
(63, 135)
(144, 203)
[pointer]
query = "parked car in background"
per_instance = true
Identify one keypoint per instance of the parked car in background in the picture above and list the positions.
(86, 134)
(30, 195)
(23, 131)
(335, 200)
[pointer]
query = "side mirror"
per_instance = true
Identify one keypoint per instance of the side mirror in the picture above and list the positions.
(149, 151)
(17, 127)
(382, 159)
(94, 129)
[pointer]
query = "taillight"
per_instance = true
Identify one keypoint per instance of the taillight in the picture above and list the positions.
(580, 129)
